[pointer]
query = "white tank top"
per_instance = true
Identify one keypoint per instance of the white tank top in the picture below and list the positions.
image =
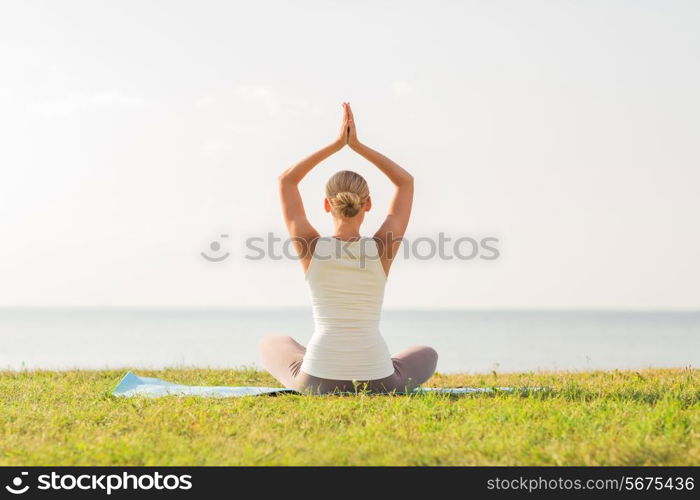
(346, 281)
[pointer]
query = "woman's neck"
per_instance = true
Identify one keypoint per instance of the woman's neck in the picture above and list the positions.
(347, 230)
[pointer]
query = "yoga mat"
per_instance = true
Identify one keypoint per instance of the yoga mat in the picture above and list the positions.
(134, 385)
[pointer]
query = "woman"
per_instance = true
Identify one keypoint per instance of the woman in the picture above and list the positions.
(346, 274)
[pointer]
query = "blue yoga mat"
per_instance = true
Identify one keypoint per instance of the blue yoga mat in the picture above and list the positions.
(134, 385)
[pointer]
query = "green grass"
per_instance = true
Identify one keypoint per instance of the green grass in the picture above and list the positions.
(647, 417)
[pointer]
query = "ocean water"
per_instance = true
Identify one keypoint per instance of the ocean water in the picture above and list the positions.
(466, 341)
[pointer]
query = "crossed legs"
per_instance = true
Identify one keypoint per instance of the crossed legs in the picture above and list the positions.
(282, 357)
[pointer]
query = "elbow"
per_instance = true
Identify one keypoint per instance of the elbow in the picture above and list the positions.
(408, 180)
(288, 177)
(283, 178)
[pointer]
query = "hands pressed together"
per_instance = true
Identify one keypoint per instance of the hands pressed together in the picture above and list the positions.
(348, 132)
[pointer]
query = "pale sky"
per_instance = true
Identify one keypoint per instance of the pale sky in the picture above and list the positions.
(132, 134)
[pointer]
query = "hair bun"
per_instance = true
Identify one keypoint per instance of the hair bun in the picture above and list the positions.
(346, 191)
(347, 203)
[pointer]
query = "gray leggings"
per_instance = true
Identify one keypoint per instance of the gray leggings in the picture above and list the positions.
(282, 357)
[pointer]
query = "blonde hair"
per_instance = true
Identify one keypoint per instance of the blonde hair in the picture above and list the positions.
(347, 191)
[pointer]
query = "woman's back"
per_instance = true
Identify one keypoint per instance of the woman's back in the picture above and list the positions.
(346, 281)
(346, 276)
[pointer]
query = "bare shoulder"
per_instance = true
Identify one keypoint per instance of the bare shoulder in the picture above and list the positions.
(386, 251)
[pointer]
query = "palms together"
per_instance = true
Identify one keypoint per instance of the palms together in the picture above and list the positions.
(348, 132)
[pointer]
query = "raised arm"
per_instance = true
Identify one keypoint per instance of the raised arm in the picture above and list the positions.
(392, 230)
(299, 227)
